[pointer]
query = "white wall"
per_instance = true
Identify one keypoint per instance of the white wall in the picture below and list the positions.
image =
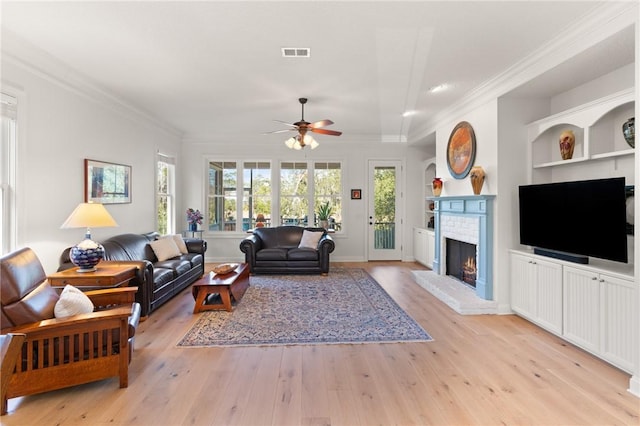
(484, 121)
(58, 127)
(354, 155)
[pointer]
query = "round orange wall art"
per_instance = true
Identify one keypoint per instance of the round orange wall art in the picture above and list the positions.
(461, 150)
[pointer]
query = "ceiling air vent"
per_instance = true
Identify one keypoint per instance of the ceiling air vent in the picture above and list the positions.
(296, 52)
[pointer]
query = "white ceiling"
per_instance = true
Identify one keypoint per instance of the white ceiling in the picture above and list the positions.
(213, 70)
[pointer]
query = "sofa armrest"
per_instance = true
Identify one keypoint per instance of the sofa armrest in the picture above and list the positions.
(326, 244)
(196, 245)
(249, 246)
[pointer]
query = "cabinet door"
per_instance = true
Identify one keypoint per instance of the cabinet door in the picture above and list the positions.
(431, 248)
(420, 245)
(618, 304)
(548, 278)
(581, 303)
(523, 288)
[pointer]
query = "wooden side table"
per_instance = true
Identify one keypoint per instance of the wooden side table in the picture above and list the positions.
(106, 276)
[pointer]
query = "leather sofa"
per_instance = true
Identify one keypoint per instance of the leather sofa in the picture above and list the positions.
(157, 281)
(277, 251)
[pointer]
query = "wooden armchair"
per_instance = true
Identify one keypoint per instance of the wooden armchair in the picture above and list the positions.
(62, 352)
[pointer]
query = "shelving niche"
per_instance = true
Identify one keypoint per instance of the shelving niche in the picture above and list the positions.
(597, 126)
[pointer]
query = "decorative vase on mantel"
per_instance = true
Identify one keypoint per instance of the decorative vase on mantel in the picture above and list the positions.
(193, 226)
(437, 186)
(629, 131)
(477, 179)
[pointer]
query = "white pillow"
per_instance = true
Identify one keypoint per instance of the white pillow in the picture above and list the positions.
(165, 248)
(72, 302)
(179, 242)
(310, 239)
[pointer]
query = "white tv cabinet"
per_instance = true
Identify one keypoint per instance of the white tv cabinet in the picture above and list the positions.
(591, 306)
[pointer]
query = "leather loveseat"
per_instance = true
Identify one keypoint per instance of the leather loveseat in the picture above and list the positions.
(157, 281)
(278, 250)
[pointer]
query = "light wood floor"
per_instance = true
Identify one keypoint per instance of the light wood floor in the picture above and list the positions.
(480, 370)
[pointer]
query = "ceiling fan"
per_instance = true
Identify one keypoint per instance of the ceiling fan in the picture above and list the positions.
(302, 139)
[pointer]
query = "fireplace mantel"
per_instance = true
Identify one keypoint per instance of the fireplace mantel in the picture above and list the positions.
(478, 207)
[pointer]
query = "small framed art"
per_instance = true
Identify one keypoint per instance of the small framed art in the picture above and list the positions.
(106, 183)
(356, 194)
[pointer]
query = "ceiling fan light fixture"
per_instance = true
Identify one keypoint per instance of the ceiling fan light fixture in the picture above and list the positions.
(290, 142)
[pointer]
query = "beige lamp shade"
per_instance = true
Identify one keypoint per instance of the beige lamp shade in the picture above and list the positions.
(89, 215)
(88, 253)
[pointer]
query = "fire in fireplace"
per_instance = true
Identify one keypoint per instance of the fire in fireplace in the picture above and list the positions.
(461, 261)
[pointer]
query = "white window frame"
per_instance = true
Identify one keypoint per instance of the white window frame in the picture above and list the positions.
(8, 156)
(170, 194)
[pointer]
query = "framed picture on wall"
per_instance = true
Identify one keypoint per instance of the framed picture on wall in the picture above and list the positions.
(356, 194)
(461, 150)
(106, 183)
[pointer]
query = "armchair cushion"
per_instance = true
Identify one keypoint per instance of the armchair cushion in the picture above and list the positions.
(39, 304)
(72, 302)
(25, 292)
(165, 248)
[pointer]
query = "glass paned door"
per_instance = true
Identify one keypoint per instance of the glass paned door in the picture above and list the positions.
(384, 224)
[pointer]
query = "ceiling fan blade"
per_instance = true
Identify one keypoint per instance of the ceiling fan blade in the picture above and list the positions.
(326, 132)
(279, 131)
(284, 122)
(321, 123)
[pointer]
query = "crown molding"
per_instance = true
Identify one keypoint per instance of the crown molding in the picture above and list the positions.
(38, 62)
(601, 22)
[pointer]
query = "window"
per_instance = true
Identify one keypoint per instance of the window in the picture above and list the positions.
(327, 182)
(7, 172)
(165, 198)
(300, 198)
(303, 187)
(222, 203)
(256, 198)
(294, 194)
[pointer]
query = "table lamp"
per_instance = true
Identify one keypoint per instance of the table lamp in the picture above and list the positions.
(88, 253)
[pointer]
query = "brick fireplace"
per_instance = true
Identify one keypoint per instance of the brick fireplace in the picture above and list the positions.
(467, 219)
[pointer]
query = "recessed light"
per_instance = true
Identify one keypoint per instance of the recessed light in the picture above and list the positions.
(439, 88)
(408, 113)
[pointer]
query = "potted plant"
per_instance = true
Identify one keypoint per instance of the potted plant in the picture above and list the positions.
(324, 212)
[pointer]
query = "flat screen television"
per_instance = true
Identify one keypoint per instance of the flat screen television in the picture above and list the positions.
(575, 220)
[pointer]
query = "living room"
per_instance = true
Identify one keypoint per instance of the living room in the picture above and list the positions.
(64, 118)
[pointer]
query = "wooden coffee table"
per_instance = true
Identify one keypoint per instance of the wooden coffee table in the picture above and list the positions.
(232, 285)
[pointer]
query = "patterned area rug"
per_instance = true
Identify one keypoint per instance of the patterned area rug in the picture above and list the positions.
(347, 306)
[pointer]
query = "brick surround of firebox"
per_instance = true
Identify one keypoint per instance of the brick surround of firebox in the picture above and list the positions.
(469, 219)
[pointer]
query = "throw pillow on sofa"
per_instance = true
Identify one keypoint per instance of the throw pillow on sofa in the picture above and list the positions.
(310, 239)
(72, 302)
(165, 248)
(179, 242)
